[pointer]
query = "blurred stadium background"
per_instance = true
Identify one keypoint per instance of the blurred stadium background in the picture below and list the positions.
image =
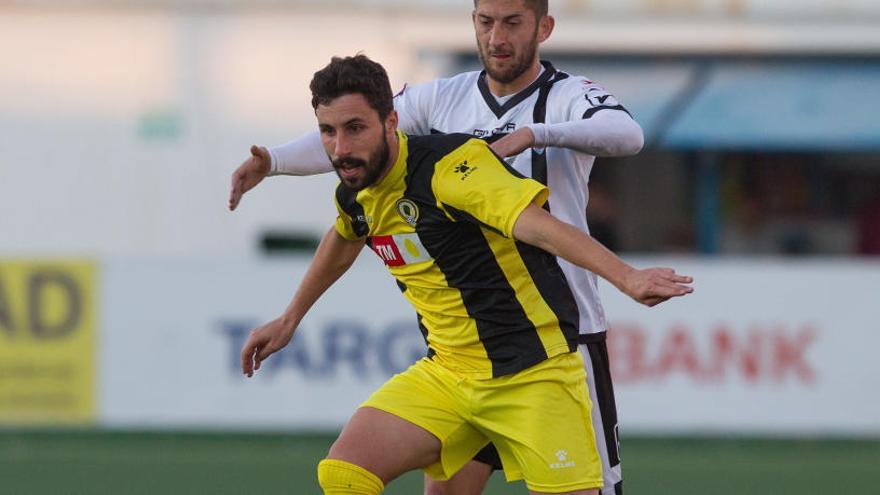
(126, 288)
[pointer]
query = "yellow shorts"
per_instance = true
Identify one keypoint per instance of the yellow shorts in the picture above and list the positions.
(539, 419)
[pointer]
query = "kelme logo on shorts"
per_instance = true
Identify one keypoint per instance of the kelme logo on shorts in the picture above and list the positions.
(408, 211)
(562, 456)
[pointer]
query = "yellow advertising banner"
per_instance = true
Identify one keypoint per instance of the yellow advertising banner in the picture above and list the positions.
(47, 342)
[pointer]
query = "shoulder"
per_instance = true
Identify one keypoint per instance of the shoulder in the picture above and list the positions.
(580, 94)
(441, 155)
(345, 197)
(442, 86)
(441, 145)
(569, 84)
(458, 81)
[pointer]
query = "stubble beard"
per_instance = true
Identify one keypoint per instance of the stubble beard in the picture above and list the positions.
(520, 66)
(373, 167)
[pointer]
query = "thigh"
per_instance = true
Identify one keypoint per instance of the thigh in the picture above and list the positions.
(404, 445)
(469, 480)
(431, 398)
(539, 419)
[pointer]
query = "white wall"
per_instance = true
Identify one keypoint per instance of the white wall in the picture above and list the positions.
(766, 348)
(119, 131)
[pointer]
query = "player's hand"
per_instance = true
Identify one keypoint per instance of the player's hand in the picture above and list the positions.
(514, 143)
(653, 286)
(264, 341)
(249, 174)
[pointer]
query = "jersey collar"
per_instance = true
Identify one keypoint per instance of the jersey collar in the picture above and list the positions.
(500, 110)
(398, 170)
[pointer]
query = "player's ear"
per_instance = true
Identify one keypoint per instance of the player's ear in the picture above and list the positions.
(391, 122)
(545, 27)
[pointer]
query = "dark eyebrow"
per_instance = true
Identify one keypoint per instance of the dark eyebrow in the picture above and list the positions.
(486, 17)
(356, 120)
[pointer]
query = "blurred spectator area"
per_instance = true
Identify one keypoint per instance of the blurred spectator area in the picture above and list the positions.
(745, 155)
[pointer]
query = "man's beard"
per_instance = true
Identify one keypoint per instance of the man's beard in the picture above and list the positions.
(510, 74)
(373, 167)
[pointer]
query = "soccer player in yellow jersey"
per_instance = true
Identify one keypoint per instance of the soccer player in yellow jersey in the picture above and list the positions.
(473, 251)
(550, 125)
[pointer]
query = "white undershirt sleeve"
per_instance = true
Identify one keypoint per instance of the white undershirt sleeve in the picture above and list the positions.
(608, 132)
(304, 155)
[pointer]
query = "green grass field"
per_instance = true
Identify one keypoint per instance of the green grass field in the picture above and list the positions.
(92, 463)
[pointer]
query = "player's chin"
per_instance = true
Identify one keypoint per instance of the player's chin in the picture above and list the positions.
(355, 184)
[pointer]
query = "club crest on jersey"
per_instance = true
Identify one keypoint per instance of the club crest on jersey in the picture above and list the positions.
(408, 211)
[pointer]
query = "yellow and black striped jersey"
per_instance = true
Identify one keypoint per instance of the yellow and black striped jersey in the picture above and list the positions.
(441, 220)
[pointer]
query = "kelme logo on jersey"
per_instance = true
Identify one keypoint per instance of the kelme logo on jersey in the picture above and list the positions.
(408, 211)
(464, 169)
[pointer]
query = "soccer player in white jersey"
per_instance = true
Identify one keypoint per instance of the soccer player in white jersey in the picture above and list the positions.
(551, 125)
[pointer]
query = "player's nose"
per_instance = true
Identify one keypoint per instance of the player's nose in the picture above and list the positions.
(497, 36)
(341, 147)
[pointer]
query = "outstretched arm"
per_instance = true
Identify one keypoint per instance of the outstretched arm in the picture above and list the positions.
(302, 156)
(650, 287)
(305, 155)
(333, 258)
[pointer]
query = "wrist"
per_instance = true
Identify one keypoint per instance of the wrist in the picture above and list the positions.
(625, 279)
(538, 133)
(273, 161)
(289, 323)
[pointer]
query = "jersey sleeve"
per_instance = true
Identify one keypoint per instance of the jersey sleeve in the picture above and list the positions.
(588, 97)
(344, 228)
(576, 121)
(304, 155)
(349, 224)
(474, 185)
(413, 105)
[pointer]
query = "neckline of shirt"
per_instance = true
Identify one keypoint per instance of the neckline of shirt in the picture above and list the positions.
(499, 108)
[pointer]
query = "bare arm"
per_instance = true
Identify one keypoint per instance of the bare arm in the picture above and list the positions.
(333, 258)
(650, 286)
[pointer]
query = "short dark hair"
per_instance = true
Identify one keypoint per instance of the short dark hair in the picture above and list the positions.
(353, 75)
(539, 7)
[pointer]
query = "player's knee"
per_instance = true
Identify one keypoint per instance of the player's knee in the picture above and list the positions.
(433, 487)
(344, 478)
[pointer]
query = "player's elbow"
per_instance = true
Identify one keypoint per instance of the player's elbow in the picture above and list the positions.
(622, 135)
(629, 140)
(633, 141)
